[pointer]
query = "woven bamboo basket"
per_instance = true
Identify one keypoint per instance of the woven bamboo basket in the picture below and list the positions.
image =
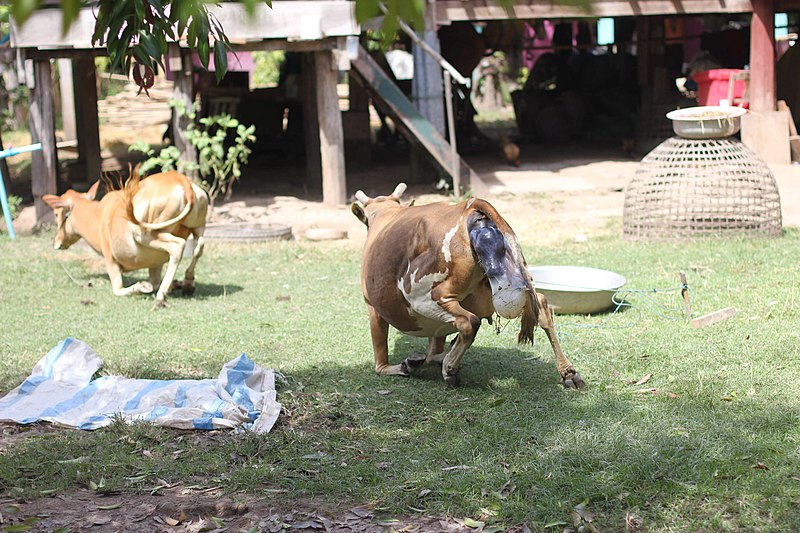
(688, 188)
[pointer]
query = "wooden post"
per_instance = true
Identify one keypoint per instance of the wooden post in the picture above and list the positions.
(762, 56)
(426, 86)
(426, 94)
(310, 121)
(44, 162)
(331, 136)
(68, 95)
(180, 62)
(687, 304)
(87, 125)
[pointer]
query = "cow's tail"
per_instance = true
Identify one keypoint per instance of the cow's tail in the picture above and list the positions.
(530, 319)
(132, 187)
(129, 190)
(498, 253)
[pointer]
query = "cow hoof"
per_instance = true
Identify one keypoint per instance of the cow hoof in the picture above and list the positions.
(573, 380)
(414, 362)
(160, 304)
(187, 290)
(452, 380)
(144, 287)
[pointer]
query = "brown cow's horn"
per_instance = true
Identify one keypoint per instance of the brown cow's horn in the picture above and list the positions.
(399, 190)
(361, 197)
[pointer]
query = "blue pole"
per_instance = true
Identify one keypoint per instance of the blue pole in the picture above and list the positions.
(6, 210)
(3, 195)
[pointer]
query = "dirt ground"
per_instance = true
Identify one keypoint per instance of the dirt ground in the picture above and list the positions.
(568, 192)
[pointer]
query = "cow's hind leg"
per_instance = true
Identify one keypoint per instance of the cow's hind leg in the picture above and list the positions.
(187, 287)
(467, 325)
(154, 276)
(174, 247)
(379, 330)
(569, 377)
(435, 354)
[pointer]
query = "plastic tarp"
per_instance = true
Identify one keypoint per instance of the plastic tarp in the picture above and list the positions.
(61, 390)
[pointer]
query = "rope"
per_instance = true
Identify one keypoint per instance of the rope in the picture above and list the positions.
(648, 297)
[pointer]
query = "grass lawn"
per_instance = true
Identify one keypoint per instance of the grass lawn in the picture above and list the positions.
(711, 442)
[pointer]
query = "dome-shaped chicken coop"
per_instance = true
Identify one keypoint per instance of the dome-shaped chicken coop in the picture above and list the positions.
(692, 187)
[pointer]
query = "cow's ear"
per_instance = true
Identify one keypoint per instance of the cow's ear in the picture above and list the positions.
(53, 201)
(91, 194)
(358, 210)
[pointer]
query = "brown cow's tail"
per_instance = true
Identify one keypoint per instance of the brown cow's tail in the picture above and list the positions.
(132, 187)
(129, 190)
(530, 319)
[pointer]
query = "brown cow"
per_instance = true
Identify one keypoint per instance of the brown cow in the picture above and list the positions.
(438, 269)
(144, 225)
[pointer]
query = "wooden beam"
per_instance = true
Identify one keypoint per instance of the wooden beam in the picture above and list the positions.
(331, 136)
(87, 125)
(293, 20)
(762, 56)
(180, 61)
(44, 162)
(310, 120)
(448, 11)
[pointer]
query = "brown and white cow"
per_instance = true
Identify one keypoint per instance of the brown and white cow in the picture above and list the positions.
(143, 225)
(438, 269)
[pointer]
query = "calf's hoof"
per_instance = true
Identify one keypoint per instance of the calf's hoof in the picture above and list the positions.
(143, 287)
(452, 380)
(187, 289)
(414, 362)
(160, 304)
(573, 380)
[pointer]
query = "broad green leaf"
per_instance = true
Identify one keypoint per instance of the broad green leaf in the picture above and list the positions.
(71, 10)
(366, 9)
(150, 44)
(220, 60)
(203, 49)
(22, 9)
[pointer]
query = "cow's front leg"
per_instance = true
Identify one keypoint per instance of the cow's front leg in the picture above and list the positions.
(467, 325)
(569, 377)
(379, 330)
(115, 276)
(435, 354)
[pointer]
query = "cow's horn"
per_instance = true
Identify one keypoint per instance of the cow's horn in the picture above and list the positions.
(361, 197)
(399, 190)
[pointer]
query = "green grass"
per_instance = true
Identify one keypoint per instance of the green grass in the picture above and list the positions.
(680, 459)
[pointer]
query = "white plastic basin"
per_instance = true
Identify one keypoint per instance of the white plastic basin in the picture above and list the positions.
(573, 290)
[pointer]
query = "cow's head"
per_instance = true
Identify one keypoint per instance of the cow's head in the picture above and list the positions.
(365, 207)
(66, 235)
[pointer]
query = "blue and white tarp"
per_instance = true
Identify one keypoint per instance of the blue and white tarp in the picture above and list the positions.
(61, 390)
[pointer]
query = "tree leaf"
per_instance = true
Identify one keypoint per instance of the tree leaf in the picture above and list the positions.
(469, 522)
(71, 10)
(220, 60)
(22, 9)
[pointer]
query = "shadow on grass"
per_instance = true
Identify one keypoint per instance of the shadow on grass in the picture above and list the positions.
(510, 445)
(685, 460)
